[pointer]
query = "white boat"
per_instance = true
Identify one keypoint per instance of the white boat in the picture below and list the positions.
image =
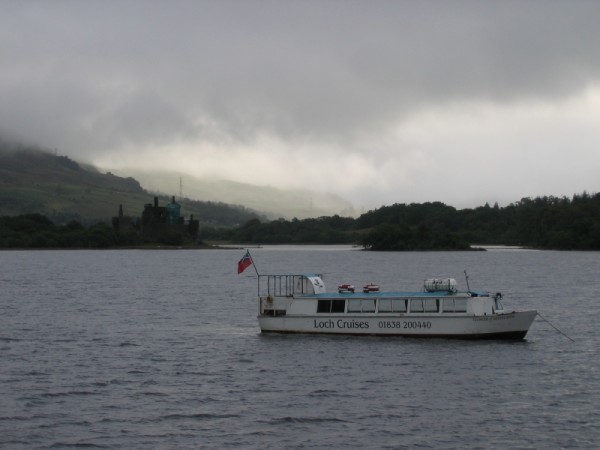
(299, 303)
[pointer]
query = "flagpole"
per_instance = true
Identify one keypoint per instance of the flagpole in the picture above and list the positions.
(253, 263)
(257, 275)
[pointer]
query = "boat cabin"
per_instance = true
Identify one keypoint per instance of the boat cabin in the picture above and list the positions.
(304, 294)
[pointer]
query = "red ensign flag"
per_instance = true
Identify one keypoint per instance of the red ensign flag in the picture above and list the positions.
(245, 262)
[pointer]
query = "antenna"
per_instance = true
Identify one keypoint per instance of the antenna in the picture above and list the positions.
(467, 279)
(180, 188)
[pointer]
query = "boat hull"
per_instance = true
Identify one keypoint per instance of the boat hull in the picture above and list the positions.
(513, 326)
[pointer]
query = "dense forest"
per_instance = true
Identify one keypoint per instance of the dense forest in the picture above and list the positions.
(543, 223)
(37, 231)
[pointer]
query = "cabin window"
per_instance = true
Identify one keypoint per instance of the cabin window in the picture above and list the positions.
(274, 312)
(455, 305)
(460, 305)
(448, 305)
(338, 306)
(399, 305)
(331, 306)
(354, 306)
(385, 305)
(431, 305)
(499, 305)
(368, 305)
(324, 306)
(361, 305)
(416, 305)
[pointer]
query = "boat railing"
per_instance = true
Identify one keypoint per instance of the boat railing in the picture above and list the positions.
(285, 285)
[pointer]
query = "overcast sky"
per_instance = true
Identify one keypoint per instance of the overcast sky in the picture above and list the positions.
(382, 102)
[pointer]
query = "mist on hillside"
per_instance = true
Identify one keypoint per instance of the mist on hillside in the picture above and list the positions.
(272, 201)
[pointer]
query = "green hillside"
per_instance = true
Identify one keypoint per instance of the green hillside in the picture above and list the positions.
(33, 181)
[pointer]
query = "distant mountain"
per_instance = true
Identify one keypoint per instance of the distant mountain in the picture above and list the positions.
(33, 181)
(275, 203)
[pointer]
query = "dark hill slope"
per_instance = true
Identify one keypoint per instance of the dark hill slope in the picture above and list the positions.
(32, 181)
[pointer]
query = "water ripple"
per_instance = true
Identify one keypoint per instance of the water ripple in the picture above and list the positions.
(137, 350)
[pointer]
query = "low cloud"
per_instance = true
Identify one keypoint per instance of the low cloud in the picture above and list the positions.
(462, 102)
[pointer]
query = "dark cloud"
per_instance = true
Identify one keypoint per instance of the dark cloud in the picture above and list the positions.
(92, 77)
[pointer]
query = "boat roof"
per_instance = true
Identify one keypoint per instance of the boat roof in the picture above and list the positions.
(381, 294)
(293, 274)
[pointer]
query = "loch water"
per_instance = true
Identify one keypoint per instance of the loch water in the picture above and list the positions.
(160, 349)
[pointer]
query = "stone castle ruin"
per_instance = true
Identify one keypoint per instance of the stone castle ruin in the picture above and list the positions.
(157, 222)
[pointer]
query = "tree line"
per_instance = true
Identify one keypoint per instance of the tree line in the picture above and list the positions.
(37, 231)
(544, 222)
(547, 222)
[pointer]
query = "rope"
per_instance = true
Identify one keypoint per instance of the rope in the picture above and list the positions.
(550, 323)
